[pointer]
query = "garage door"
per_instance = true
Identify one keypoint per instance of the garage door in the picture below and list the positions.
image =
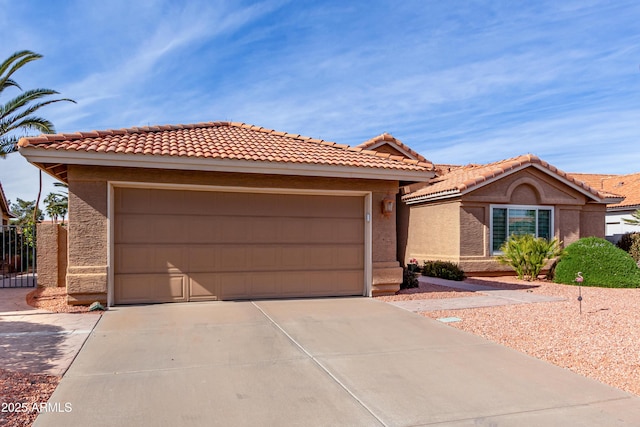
(176, 245)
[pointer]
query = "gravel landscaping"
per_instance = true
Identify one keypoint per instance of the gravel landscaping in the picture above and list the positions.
(602, 343)
(24, 388)
(25, 391)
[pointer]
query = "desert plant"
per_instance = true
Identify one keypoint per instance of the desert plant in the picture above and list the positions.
(409, 279)
(528, 254)
(630, 243)
(626, 240)
(601, 264)
(443, 270)
(634, 251)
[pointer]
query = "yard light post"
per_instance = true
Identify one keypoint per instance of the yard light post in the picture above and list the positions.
(579, 279)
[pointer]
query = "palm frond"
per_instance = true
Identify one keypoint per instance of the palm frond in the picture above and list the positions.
(27, 112)
(9, 83)
(13, 63)
(23, 99)
(8, 145)
(17, 113)
(31, 122)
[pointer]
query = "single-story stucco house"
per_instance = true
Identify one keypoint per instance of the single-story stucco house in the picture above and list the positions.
(465, 214)
(224, 211)
(627, 186)
(233, 211)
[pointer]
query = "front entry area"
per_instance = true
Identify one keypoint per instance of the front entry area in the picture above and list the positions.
(175, 245)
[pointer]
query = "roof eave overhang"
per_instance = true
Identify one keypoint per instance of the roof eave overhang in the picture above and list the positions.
(447, 194)
(39, 157)
(622, 208)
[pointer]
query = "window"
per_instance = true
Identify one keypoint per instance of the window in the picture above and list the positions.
(507, 220)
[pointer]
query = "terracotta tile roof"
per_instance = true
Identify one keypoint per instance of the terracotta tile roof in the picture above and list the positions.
(388, 138)
(624, 185)
(222, 140)
(461, 180)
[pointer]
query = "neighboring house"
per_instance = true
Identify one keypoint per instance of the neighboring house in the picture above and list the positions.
(624, 185)
(5, 213)
(465, 213)
(224, 211)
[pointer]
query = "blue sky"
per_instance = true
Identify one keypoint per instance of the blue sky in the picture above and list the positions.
(459, 81)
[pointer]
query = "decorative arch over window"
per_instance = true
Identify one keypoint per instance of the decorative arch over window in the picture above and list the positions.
(526, 191)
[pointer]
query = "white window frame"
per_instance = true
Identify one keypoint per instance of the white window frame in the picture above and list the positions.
(527, 207)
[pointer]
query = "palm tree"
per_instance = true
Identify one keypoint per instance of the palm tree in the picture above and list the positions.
(57, 204)
(17, 113)
(635, 220)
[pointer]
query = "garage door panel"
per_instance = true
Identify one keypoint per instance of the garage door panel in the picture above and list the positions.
(151, 259)
(233, 229)
(233, 285)
(264, 257)
(233, 257)
(130, 228)
(350, 230)
(173, 245)
(266, 230)
(150, 228)
(348, 282)
(128, 200)
(141, 288)
(202, 229)
(203, 258)
(265, 285)
(350, 257)
(204, 286)
(292, 257)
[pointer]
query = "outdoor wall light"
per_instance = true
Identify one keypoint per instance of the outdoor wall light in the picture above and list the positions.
(387, 205)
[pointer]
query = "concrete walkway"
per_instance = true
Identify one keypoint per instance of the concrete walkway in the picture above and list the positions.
(37, 341)
(488, 297)
(315, 362)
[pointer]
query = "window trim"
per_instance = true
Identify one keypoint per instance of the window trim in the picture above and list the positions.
(527, 207)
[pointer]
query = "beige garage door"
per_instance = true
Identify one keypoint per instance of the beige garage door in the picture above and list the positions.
(175, 245)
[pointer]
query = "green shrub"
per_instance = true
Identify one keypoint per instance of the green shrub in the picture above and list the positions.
(528, 255)
(409, 279)
(442, 269)
(601, 264)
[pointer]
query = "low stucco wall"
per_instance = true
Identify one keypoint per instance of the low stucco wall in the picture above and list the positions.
(51, 254)
(87, 276)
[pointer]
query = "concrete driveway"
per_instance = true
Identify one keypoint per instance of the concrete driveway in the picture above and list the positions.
(313, 362)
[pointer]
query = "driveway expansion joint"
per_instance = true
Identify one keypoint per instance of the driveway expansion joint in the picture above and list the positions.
(321, 365)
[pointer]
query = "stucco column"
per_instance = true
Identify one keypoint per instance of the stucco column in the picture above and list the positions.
(386, 270)
(88, 247)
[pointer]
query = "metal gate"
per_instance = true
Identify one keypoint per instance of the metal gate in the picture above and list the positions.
(17, 258)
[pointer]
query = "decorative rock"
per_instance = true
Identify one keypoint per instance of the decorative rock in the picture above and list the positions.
(96, 306)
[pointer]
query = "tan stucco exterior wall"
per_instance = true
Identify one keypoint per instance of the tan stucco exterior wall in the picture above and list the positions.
(574, 217)
(433, 232)
(87, 277)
